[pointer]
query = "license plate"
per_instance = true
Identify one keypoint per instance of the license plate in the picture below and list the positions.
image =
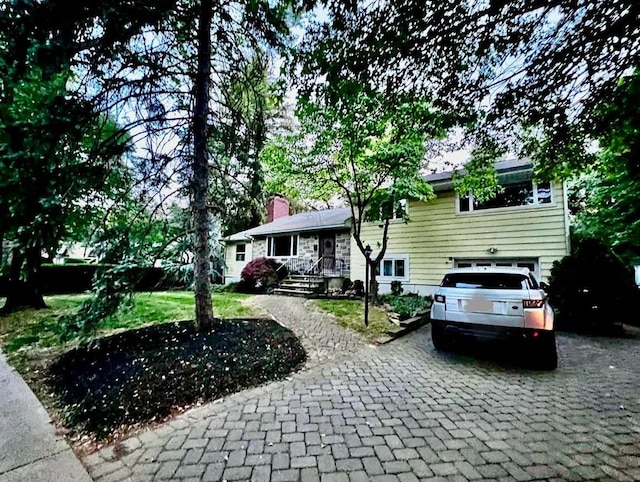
(479, 305)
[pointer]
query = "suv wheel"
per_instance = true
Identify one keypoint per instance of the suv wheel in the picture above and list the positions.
(440, 340)
(546, 353)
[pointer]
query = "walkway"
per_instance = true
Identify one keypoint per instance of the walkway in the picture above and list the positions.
(29, 448)
(402, 412)
(322, 339)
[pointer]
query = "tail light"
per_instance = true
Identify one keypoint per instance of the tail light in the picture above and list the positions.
(532, 303)
(440, 298)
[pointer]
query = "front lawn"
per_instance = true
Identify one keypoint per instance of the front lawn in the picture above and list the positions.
(147, 362)
(38, 329)
(350, 314)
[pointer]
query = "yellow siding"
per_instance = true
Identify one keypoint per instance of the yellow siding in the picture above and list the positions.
(233, 268)
(436, 234)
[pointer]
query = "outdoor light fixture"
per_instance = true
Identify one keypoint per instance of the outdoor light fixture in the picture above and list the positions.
(492, 250)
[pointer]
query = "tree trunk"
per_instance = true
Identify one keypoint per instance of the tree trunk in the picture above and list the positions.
(202, 222)
(23, 293)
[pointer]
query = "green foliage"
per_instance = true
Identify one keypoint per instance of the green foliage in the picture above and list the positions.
(406, 306)
(58, 153)
(396, 288)
(591, 289)
(480, 177)
(235, 287)
(260, 274)
(112, 289)
(43, 329)
(523, 67)
(349, 314)
(363, 146)
(358, 287)
(605, 199)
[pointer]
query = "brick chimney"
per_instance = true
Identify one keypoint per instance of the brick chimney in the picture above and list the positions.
(277, 207)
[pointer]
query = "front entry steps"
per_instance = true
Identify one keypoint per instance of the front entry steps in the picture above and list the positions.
(301, 285)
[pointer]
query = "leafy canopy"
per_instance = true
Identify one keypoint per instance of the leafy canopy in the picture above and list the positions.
(606, 198)
(534, 70)
(362, 145)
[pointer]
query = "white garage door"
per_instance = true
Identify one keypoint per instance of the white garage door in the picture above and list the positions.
(532, 264)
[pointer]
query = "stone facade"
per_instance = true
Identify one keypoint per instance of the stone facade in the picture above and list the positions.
(308, 246)
(343, 246)
(259, 248)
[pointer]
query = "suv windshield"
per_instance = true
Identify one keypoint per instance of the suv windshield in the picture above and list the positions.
(489, 281)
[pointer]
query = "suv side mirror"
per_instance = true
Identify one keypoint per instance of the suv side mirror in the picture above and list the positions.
(544, 286)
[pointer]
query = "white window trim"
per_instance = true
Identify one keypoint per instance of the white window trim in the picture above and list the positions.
(271, 246)
(394, 257)
(534, 205)
(244, 253)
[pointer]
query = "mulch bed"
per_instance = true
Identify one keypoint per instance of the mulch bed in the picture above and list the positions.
(142, 376)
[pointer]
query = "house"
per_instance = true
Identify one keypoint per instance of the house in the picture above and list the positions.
(527, 225)
(314, 242)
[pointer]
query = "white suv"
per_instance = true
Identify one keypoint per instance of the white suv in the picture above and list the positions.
(488, 303)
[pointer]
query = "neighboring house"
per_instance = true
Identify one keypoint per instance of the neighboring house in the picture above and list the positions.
(317, 241)
(527, 226)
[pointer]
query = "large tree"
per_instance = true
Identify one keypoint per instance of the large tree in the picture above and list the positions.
(536, 69)
(364, 146)
(57, 151)
(605, 199)
(157, 69)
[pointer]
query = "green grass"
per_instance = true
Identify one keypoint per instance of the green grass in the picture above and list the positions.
(350, 314)
(41, 328)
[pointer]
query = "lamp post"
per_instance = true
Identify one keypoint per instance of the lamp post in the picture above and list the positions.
(367, 254)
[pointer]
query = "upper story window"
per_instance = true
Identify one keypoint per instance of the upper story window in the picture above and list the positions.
(241, 251)
(526, 193)
(282, 246)
(392, 210)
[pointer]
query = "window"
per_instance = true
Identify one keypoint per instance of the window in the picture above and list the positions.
(393, 267)
(241, 250)
(524, 193)
(282, 246)
(400, 210)
(392, 211)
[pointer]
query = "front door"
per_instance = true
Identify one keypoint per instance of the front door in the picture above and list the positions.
(328, 251)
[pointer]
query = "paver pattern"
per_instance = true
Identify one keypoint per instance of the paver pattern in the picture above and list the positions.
(403, 412)
(322, 339)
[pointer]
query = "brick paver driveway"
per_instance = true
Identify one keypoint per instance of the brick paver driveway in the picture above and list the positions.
(405, 412)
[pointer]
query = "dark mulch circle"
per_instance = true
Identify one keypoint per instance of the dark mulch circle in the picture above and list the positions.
(141, 376)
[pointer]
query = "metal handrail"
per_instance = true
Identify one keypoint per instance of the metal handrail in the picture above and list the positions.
(307, 266)
(314, 265)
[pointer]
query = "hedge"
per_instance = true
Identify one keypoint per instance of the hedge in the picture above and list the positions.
(76, 278)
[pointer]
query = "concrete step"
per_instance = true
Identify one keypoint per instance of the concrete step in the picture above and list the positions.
(301, 285)
(299, 277)
(288, 292)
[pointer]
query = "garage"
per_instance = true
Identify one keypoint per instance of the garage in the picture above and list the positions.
(531, 263)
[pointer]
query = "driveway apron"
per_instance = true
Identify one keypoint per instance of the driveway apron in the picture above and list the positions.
(404, 412)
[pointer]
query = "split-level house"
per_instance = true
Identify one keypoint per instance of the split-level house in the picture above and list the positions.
(526, 225)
